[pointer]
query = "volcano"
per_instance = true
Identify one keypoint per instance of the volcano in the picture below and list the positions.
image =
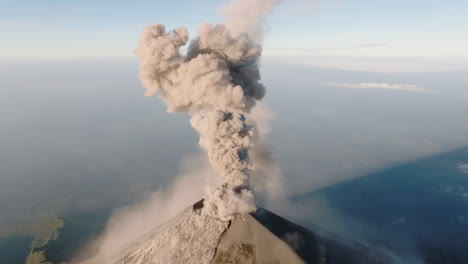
(257, 238)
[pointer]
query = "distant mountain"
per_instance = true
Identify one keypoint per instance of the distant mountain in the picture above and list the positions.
(259, 237)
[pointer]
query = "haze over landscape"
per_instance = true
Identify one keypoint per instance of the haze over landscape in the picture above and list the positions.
(362, 96)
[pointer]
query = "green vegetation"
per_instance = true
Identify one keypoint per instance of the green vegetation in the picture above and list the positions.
(79, 230)
(37, 257)
(47, 231)
(52, 239)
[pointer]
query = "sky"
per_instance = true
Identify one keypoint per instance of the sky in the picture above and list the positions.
(412, 35)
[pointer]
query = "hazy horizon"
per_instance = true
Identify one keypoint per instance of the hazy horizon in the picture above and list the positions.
(322, 132)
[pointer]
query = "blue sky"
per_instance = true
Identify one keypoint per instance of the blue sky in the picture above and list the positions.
(385, 29)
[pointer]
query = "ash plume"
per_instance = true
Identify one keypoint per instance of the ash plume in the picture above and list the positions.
(245, 16)
(218, 83)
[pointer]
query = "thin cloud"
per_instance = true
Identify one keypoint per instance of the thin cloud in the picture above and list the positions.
(379, 86)
(463, 168)
(456, 190)
(306, 57)
(369, 45)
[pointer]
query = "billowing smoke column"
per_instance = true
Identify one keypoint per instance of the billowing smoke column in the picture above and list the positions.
(217, 82)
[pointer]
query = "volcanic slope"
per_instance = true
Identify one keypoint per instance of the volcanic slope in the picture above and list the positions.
(257, 238)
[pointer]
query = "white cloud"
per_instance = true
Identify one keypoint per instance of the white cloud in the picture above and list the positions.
(463, 168)
(357, 60)
(379, 86)
(456, 190)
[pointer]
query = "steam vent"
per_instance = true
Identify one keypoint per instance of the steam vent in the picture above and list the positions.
(261, 237)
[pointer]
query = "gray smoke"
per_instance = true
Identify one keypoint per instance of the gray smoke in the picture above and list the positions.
(218, 83)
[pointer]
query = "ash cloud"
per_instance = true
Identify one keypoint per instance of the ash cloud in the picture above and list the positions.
(246, 16)
(218, 84)
(130, 223)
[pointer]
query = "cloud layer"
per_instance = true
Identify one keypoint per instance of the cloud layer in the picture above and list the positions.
(379, 86)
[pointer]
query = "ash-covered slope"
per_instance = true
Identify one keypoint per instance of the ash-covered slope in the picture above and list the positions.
(187, 238)
(260, 237)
